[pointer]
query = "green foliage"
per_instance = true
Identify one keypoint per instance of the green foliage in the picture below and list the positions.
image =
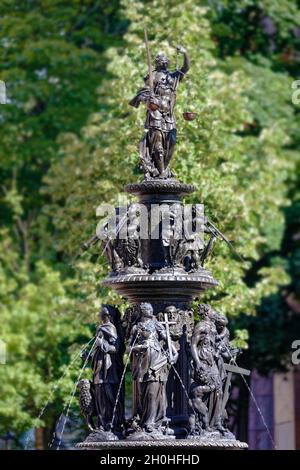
(42, 328)
(262, 39)
(51, 62)
(230, 166)
(255, 27)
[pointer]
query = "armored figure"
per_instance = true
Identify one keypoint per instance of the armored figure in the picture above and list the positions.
(122, 253)
(130, 247)
(110, 245)
(157, 146)
(193, 241)
(192, 251)
(171, 234)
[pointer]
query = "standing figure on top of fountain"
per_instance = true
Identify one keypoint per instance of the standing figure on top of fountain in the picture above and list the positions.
(157, 146)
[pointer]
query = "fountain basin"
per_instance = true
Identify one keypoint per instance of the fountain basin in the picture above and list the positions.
(172, 286)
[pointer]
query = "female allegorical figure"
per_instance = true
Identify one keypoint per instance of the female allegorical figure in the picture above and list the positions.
(107, 365)
(150, 368)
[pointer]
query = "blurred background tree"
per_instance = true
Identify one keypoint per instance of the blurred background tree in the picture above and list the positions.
(69, 143)
(52, 62)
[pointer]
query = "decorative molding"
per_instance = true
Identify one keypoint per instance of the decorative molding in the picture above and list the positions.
(160, 186)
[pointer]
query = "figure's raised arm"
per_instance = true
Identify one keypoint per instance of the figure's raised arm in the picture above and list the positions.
(186, 60)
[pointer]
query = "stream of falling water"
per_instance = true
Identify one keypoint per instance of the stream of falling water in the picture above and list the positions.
(68, 406)
(182, 385)
(260, 413)
(55, 386)
(255, 403)
(121, 381)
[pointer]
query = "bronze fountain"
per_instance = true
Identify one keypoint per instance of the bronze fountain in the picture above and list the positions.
(181, 369)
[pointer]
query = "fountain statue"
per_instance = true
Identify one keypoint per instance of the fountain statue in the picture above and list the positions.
(181, 368)
(159, 95)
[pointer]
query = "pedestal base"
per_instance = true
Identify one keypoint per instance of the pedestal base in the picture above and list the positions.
(194, 443)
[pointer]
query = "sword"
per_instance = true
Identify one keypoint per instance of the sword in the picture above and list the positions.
(149, 60)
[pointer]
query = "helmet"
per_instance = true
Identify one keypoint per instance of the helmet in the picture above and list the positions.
(161, 60)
